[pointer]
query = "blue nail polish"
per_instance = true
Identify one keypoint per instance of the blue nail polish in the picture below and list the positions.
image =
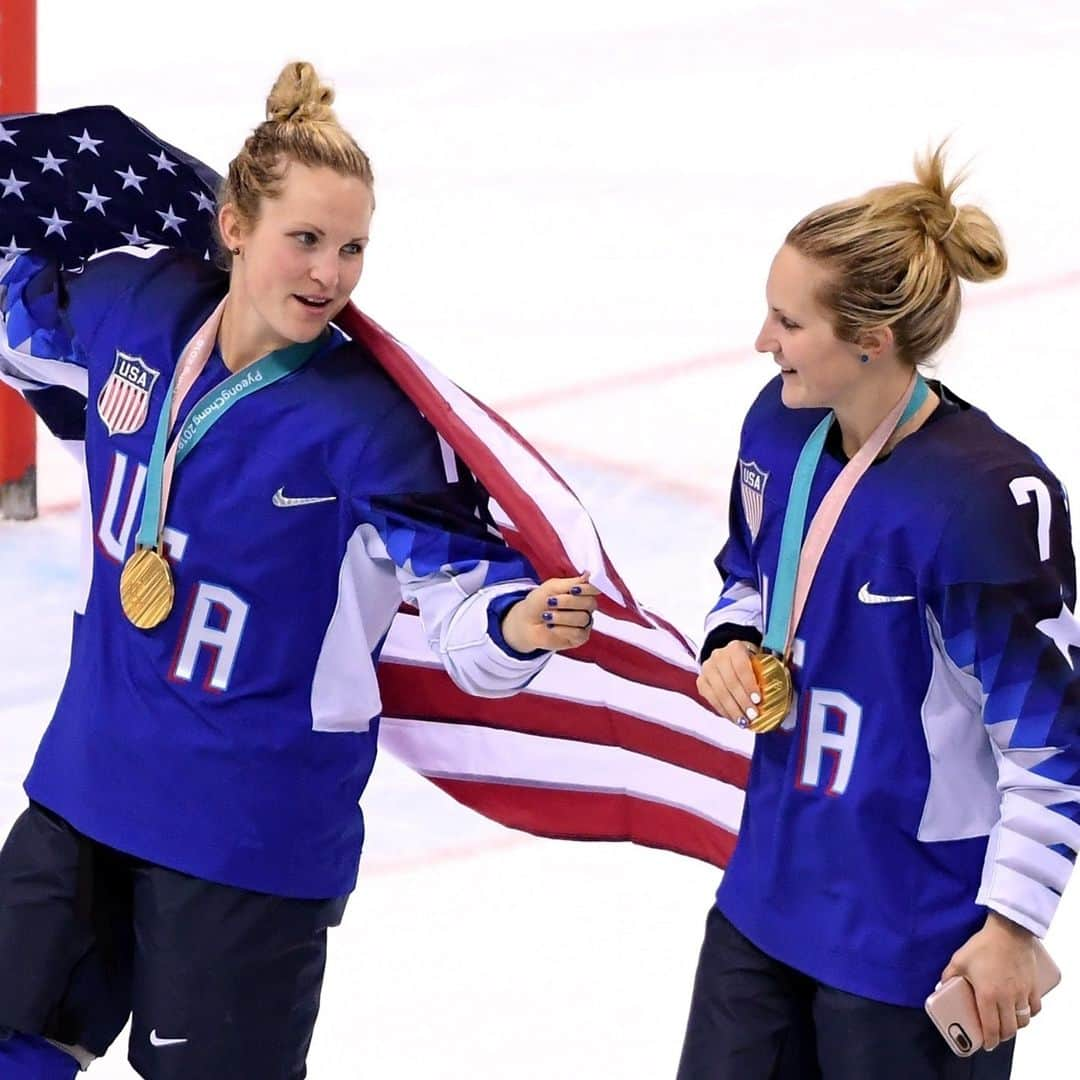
(548, 616)
(553, 601)
(575, 590)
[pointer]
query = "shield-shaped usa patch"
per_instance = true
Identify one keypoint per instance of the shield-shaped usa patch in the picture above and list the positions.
(752, 487)
(125, 398)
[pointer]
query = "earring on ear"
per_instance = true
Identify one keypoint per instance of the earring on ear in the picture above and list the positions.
(864, 359)
(236, 250)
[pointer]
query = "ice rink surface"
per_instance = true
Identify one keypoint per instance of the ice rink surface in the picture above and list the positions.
(576, 212)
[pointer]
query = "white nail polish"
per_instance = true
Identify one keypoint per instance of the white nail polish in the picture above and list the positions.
(751, 714)
(755, 698)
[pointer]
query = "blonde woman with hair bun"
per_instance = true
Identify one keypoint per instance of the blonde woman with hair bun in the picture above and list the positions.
(194, 827)
(898, 626)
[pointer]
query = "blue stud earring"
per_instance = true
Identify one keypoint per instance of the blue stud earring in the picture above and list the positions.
(864, 359)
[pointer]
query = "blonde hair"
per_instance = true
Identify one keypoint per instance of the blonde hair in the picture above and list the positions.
(897, 254)
(300, 126)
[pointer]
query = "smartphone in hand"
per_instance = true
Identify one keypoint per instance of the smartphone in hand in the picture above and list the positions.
(954, 1012)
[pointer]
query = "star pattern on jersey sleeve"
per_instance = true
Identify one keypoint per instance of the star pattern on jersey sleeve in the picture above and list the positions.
(1063, 630)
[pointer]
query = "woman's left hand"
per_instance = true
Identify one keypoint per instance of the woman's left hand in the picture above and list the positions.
(999, 962)
(556, 615)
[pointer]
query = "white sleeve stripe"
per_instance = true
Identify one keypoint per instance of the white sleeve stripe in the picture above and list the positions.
(1014, 777)
(1035, 861)
(39, 371)
(740, 604)
(1038, 822)
(1028, 758)
(1017, 897)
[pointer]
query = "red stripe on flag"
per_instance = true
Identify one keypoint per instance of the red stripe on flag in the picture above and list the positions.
(418, 693)
(594, 815)
(613, 575)
(538, 539)
(636, 664)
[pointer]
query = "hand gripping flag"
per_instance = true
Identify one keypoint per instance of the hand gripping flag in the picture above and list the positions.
(610, 741)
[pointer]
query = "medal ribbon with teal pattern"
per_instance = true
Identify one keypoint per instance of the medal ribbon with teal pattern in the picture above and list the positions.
(799, 559)
(210, 408)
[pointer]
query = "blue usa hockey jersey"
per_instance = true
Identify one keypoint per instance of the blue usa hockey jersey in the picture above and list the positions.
(233, 741)
(930, 768)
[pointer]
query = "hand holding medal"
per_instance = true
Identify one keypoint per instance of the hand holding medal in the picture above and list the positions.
(725, 675)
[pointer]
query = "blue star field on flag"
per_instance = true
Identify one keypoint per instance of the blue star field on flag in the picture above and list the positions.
(90, 179)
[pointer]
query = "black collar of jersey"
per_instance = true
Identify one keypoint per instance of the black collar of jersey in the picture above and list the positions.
(948, 405)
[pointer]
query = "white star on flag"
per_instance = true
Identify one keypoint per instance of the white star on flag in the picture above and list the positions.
(205, 202)
(94, 201)
(13, 249)
(6, 134)
(86, 142)
(50, 163)
(170, 220)
(131, 179)
(1063, 630)
(55, 224)
(134, 238)
(163, 162)
(13, 185)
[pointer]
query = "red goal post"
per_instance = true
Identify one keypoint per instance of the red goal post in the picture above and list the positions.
(18, 93)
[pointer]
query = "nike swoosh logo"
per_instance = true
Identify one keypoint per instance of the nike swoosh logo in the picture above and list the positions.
(867, 597)
(281, 499)
(155, 1041)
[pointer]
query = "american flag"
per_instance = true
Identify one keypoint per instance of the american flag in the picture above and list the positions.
(610, 741)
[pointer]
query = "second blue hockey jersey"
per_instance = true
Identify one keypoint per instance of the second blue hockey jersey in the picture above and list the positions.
(930, 769)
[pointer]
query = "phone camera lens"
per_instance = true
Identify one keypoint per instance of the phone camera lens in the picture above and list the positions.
(960, 1037)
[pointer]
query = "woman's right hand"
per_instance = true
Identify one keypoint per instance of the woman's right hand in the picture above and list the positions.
(727, 682)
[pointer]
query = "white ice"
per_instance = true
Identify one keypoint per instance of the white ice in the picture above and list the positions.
(577, 199)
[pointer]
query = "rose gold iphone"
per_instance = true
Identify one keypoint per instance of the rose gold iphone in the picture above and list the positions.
(956, 1016)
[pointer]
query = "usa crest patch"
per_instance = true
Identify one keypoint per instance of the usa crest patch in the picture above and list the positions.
(752, 487)
(124, 400)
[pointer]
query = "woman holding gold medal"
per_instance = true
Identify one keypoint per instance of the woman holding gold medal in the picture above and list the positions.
(262, 498)
(898, 625)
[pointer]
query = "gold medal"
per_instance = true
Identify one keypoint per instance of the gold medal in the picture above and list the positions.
(146, 588)
(774, 680)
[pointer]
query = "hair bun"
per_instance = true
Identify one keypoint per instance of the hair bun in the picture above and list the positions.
(299, 97)
(970, 239)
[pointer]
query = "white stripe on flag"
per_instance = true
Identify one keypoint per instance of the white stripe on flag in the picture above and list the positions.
(568, 680)
(463, 752)
(560, 506)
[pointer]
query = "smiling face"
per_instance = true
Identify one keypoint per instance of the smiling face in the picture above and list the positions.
(819, 370)
(299, 260)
